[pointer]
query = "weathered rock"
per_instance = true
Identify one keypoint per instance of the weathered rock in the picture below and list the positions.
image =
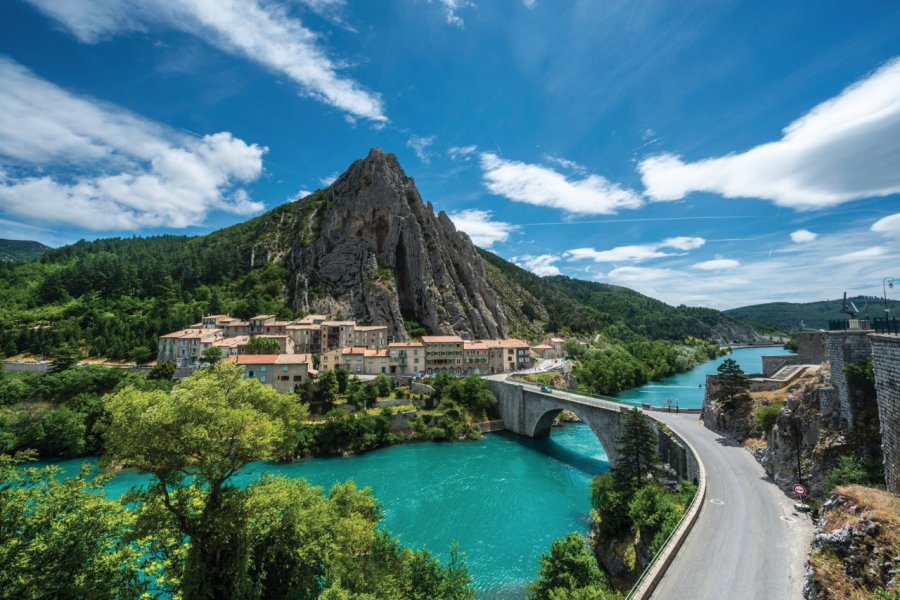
(371, 250)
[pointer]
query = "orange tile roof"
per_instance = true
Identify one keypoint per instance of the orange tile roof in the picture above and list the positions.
(405, 345)
(441, 339)
(474, 346)
(542, 347)
(256, 359)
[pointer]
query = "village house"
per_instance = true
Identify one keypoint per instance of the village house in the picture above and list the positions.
(284, 372)
(406, 358)
(475, 358)
(307, 337)
(371, 336)
(543, 352)
(558, 344)
(443, 354)
(336, 334)
(186, 347)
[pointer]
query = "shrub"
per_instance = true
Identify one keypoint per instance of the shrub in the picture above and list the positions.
(766, 415)
(852, 469)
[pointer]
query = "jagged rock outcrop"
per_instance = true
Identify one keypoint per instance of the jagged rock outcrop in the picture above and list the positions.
(369, 249)
(855, 547)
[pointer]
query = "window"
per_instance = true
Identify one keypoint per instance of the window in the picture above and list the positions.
(262, 369)
(262, 379)
(284, 368)
(298, 377)
(251, 374)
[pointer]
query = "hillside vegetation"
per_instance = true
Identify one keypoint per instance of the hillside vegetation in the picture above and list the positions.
(794, 316)
(21, 250)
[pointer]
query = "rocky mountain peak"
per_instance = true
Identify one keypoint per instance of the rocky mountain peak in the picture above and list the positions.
(381, 255)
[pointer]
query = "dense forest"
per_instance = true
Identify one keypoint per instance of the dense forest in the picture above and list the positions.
(794, 316)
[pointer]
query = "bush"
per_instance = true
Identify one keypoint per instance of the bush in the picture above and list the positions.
(853, 470)
(766, 415)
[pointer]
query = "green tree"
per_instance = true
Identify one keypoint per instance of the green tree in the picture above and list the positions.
(343, 377)
(63, 538)
(163, 371)
(261, 345)
(328, 387)
(383, 385)
(212, 355)
(193, 440)
(732, 385)
(569, 570)
(64, 357)
(637, 449)
(59, 433)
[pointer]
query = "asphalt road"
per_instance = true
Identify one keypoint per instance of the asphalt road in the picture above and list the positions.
(748, 542)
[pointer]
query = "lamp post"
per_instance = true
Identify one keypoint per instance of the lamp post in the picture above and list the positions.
(887, 282)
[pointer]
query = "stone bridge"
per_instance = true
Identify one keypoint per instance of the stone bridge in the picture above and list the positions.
(528, 411)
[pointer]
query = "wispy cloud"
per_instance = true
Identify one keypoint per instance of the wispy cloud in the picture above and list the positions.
(452, 8)
(565, 163)
(542, 264)
(98, 167)
(888, 225)
(637, 252)
(259, 31)
(479, 226)
(462, 152)
(801, 236)
(843, 149)
(542, 186)
(326, 181)
(420, 145)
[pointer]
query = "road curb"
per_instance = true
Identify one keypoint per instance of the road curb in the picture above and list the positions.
(654, 573)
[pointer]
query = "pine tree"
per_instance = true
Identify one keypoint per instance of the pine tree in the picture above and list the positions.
(732, 385)
(636, 446)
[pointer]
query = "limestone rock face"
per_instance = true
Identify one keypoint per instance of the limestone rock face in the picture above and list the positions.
(382, 256)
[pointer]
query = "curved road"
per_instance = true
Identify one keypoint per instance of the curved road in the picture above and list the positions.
(748, 542)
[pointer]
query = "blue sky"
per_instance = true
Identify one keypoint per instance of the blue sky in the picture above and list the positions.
(710, 153)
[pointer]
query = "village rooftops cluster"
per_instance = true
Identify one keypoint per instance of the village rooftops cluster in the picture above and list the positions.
(362, 349)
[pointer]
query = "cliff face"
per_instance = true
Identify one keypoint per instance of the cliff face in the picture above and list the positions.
(369, 249)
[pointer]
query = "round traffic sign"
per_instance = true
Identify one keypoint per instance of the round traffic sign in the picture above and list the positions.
(800, 489)
(669, 401)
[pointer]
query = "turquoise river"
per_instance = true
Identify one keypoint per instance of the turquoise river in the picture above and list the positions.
(503, 499)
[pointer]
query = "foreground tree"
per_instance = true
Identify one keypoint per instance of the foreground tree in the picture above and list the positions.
(63, 539)
(569, 571)
(194, 440)
(212, 355)
(732, 385)
(163, 371)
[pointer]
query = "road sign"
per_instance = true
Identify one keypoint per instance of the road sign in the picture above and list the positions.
(800, 489)
(669, 401)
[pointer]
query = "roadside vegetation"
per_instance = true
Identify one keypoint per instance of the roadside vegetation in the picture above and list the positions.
(634, 514)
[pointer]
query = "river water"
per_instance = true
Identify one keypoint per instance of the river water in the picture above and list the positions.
(503, 499)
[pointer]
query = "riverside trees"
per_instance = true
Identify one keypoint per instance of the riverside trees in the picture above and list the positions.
(205, 537)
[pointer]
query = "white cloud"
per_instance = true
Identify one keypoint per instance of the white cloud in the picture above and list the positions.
(259, 31)
(541, 186)
(846, 148)
(718, 264)
(637, 252)
(641, 274)
(420, 145)
(858, 255)
(541, 265)
(326, 181)
(529, 3)
(450, 10)
(888, 225)
(479, 226)
(462, 152)
(124, 172)
(802, 236)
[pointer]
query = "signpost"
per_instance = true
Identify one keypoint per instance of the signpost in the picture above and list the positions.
(801, 491)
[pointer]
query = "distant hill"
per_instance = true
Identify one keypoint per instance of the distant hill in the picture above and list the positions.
(21, 250)
(793, 316)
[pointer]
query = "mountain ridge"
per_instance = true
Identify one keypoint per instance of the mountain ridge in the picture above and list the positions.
(796, 316)
(21, 250)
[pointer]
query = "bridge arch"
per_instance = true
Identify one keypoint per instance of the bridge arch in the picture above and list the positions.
(604, 425)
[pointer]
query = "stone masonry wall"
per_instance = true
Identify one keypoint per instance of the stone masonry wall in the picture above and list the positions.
(886, 364)
(846, 347)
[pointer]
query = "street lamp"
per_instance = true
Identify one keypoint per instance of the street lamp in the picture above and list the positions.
(887, 282)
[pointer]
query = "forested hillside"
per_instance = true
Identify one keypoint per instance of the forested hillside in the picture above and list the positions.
(21, 250)
(794, 316)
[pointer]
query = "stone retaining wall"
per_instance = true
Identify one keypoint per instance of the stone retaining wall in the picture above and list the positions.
(886, 365)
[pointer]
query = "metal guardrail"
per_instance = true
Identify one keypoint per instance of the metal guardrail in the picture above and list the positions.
(886, 325)
(849, 325)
